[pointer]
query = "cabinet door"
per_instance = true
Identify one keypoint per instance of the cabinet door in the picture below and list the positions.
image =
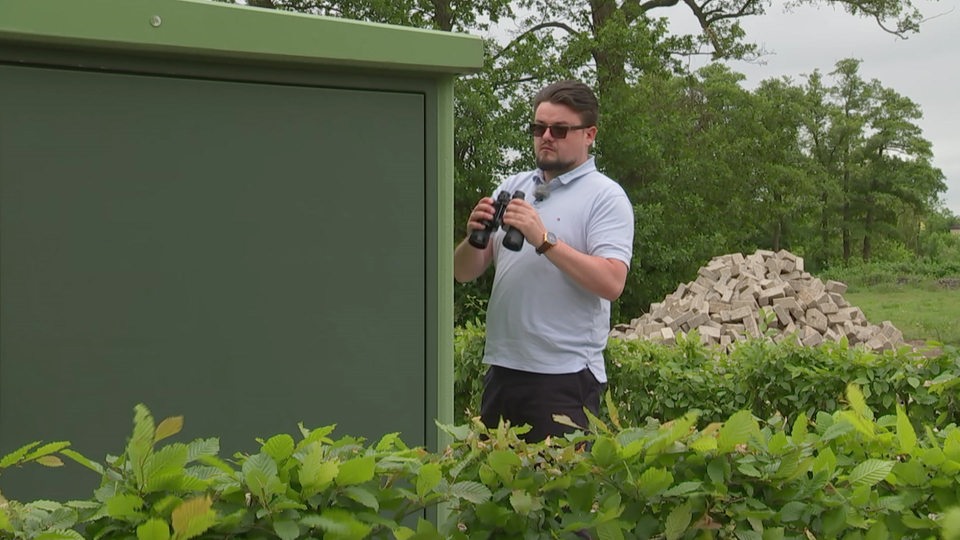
(246, 255)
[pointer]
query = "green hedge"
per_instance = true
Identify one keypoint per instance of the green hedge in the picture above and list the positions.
(787, 379)
(664, 382)
(766, 442)
(845, 474)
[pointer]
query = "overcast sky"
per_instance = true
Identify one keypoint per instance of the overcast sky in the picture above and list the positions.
(923, 67)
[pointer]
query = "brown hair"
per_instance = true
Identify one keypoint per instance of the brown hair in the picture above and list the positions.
(573, 94)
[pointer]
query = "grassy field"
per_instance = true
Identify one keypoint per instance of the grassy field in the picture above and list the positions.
(922, 311)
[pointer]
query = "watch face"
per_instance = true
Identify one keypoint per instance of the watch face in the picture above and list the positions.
(552, 238)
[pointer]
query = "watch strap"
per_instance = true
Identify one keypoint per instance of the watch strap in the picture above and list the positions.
(547, 244)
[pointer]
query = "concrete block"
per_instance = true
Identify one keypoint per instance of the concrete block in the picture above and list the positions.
(710, 331)
(768, 294)
(827, 306)
(772, 266)
(812, 340)
(649, 329)
(736, 314)
(876, 343)
(753, 329)
(891, 332)
(791, 305)
(831, 335)
(816, 319)
(783, 314)
(697, 319)
(697, 289)
(680, 320)
(709, 274)
(807, 298)
(836, 287)
(668, 336)
(836, 319)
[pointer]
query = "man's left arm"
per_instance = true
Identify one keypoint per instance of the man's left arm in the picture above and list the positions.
(610, 237)
(601, 276)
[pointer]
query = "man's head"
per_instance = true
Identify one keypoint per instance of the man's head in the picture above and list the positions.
(570, 109)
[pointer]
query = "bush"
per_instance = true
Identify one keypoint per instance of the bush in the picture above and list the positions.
(767, 441)
(786, 379)
(845, 474)
(664, 382)
(468, 343)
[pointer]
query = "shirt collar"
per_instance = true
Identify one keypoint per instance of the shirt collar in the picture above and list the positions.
(585, 168)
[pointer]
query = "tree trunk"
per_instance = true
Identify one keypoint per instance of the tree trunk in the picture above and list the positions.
(824, 228)
(866, 254)
(847, 247)
(611, 63)
(868, 220)
(443, 15)
(777, 235)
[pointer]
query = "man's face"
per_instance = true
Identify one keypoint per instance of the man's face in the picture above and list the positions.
(556, 156)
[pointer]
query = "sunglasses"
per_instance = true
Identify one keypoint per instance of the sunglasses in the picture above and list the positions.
(558, 132)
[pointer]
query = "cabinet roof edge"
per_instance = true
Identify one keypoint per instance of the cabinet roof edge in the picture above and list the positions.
(212, 30)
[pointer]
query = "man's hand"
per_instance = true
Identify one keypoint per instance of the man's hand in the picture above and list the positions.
(481, 214)
(523, 216)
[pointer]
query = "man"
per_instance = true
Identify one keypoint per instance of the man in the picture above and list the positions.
(549, 312)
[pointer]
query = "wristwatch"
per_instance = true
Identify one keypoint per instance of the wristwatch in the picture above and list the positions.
(549, 240)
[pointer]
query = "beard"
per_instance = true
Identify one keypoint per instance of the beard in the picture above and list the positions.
(555, 165)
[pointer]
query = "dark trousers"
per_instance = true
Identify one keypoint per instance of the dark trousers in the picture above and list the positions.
(533, 398)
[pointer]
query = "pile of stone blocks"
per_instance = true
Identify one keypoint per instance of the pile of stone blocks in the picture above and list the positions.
(766, 294)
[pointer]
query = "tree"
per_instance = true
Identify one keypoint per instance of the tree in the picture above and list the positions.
(616, 33)
(876, 161)
(900, 176)
(787, 178)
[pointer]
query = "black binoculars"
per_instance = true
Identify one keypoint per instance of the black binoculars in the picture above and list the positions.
(513, 239)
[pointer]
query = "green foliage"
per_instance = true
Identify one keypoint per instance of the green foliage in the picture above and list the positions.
(664, 382)
(785, 379)
(468, 346)
(850, 473)
(313, 486)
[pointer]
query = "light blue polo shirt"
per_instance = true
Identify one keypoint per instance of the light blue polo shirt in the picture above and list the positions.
(538, 319)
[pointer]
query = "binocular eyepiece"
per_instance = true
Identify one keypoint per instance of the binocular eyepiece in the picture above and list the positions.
(513, 239)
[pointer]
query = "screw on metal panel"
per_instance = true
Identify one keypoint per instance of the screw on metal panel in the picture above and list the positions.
(156, 21)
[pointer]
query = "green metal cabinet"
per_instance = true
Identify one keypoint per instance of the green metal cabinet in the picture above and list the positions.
(236, 215)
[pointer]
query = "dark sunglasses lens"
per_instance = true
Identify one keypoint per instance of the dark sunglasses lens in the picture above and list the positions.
(558, 132)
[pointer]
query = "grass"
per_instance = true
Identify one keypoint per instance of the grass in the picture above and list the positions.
(924, 311)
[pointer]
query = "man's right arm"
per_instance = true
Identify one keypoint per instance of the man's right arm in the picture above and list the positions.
(469, 263)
